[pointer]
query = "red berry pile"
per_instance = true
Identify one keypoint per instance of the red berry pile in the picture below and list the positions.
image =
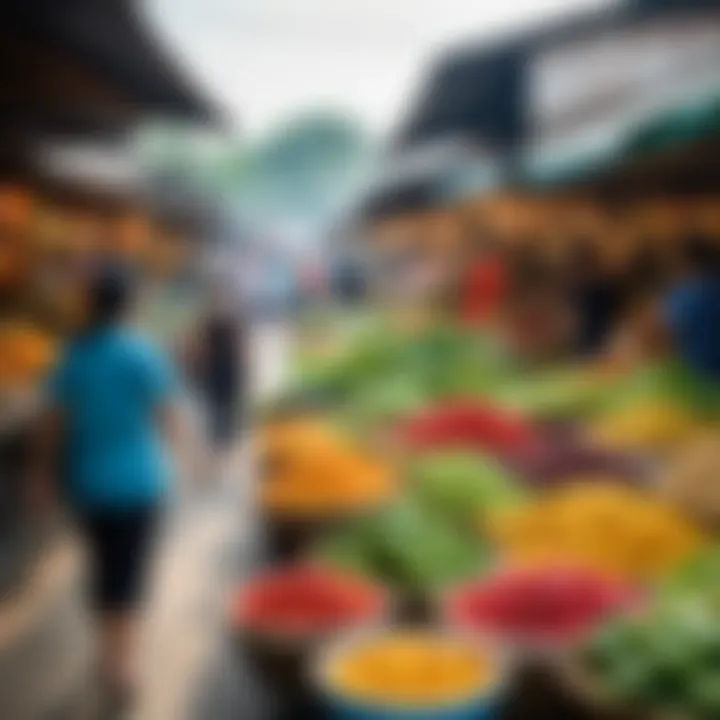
(540, 604)
(470, 426)
(305, 600)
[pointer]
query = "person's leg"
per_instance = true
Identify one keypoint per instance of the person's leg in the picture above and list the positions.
(118, 635)
(222, 433)
(127, 545)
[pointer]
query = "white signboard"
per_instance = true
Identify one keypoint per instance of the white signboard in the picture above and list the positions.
(587, 86)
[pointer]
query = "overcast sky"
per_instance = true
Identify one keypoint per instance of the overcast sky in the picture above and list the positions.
(266, 60)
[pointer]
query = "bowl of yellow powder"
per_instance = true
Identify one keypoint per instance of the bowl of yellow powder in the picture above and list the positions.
(410, 674)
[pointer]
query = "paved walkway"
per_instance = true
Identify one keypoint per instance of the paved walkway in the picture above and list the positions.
(188, 611)
(199, 562)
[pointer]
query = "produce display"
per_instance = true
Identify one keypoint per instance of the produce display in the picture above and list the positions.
(303, 600)
(563, 456)
(411, 669)
(288, 438)
(460, 485)
(664, 662)
(26, 353)
(601, 525)
(651, 426)
(313, 471)
(46, 246)
(15, 264)
(385, 403)
(668, 383)
(550, 606)
(699, 577)
(406, 547)
(443, 361)
(472, 426)
(568, 509)
(563, 393)
(690, 479)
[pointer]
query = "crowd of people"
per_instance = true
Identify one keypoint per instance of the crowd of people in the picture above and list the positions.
(659, 301)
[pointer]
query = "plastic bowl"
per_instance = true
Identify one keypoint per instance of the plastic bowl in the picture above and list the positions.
(536, 644)
(485, 704)
(279, 658)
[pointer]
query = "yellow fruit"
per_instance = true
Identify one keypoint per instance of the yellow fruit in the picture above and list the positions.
(26, 353)
(412, 668)
(312, 470)
(601, 525)
(652, 426)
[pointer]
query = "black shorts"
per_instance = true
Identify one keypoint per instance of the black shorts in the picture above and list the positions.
(120, 546)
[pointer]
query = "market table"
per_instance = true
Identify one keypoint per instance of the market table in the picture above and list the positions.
(231, 690)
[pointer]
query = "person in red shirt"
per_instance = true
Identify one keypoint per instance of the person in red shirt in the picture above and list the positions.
(485, 286)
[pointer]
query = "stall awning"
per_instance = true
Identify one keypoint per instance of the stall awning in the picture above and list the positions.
(638, 140)
(486, 93)
(112, 42)
(479, 95)
(548, 80)
(680, 127)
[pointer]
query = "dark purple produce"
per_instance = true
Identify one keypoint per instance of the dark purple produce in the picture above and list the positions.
(565, 456)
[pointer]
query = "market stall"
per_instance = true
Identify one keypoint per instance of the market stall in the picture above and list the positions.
(82, 74)
(421, 477)
(454, 527)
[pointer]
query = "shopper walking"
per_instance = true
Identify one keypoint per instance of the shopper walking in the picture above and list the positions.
(217, 359)
(112, 407)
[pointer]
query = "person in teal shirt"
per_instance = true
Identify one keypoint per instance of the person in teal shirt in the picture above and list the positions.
(112, 397)
(111, 387)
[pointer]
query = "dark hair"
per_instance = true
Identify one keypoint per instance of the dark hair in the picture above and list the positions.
(110, 291)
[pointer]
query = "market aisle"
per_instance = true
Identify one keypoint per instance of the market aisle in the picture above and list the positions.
(207, 538)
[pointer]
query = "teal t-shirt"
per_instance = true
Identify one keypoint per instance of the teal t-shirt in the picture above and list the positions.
(110, 386)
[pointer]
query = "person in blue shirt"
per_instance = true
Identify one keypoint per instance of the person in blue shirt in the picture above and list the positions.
(691, 311)
(112, 398)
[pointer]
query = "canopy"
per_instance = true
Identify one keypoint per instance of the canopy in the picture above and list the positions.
(635, 142)
(560, 80)
(680, 127)
(83, 66)
(476, 94)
